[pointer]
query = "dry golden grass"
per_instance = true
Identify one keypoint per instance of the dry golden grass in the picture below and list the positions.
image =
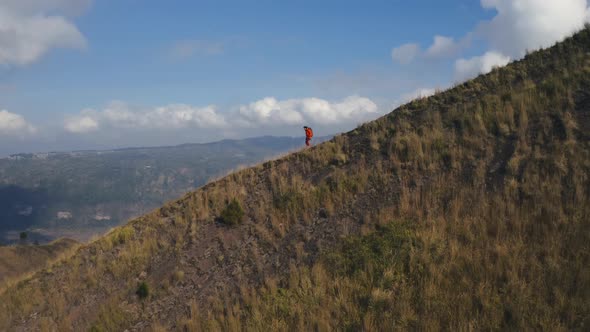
(21, 261)
(493, 194)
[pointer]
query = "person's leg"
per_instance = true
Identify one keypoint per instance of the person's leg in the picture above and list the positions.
(307, 141)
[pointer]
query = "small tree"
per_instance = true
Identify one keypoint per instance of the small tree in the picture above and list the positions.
(143, 290)
(233, 213)
(23, 237)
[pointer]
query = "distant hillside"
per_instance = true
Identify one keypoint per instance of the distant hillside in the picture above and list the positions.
(79, 194)
(468, 210)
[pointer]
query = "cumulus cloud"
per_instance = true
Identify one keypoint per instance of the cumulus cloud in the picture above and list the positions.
(522, 26)
(470, 68)
(405, 53)
(188, 48)
(81, 124)
(14, 124)
(307, 110)
(30, 28)
(442, 46)
(123, 116)
(530, 24)
(518, 26)
(266, 112)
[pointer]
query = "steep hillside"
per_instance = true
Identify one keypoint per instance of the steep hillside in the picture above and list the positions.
(467, 210)
(84, 193)
(16, 261)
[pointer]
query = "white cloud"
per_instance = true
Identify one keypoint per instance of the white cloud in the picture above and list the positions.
(307, 110)
(405, 53)
(418, 93)
(14, 124)
(188, 48)
(81, 124)
(123, 116)
(267, 112)
(518, 26)
(441, 47)
(469, 68)
(180, 115)
(530, 24)
(29, 29)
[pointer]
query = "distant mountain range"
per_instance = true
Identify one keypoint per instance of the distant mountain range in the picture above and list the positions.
(83, 193)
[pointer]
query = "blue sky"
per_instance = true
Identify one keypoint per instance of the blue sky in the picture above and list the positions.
(118, 73)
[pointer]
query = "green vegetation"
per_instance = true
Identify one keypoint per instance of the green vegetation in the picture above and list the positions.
(233, 213)
(468, 210)
(143, 290)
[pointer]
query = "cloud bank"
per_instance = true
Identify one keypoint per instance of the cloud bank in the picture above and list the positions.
(31, 28)
(266, 112)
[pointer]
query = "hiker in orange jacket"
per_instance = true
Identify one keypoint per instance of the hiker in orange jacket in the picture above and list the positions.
(308, 135)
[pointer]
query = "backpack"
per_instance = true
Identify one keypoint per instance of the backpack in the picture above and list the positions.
(309, 131)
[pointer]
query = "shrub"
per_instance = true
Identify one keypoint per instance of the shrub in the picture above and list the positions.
(122, 235)
(143, 290)
(233, 213)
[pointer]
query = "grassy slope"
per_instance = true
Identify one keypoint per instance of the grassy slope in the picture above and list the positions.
(16, 261)
(466, 210)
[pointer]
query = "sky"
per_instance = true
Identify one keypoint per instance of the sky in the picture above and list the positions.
(102, 74)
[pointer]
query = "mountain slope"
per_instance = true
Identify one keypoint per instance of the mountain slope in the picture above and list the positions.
(466, 210)
(16, 261)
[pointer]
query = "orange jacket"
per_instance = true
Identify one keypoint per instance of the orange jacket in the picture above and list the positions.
(308, 133)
